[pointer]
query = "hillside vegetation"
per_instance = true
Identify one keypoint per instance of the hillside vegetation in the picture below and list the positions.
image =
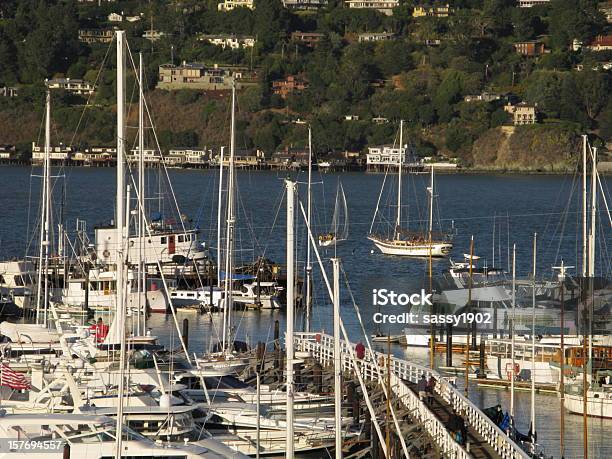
(421, 76)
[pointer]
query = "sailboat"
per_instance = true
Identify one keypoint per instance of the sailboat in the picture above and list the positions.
(340, 222)
(404, 242)
(593, 395)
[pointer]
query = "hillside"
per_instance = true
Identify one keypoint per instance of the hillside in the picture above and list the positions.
(448, 73)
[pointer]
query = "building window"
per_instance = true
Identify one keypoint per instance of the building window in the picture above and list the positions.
(181, 238)
(163, 240)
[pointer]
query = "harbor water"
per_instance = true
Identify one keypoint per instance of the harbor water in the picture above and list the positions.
(497, 210)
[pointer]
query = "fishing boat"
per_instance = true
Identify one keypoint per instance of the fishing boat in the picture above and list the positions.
(403, 242)
(340, 222)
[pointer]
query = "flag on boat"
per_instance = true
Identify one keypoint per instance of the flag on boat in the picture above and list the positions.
(13, 379)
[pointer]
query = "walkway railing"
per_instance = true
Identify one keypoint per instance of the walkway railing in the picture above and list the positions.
(321, 347)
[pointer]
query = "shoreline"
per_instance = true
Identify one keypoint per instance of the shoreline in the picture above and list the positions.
(605, 171)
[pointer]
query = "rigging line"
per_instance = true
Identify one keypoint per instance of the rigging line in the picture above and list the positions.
(603, 195)
(378, 201)
(561, 224)
(102, 66)
(162, 163)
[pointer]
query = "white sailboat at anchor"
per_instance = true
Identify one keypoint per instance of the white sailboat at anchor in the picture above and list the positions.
(408, 243)
(340, 223)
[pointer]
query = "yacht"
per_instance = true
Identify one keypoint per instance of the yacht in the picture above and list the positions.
(102, 288)
(18, 278)
(88, 436)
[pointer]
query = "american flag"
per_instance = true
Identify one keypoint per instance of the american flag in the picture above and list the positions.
(13, 379)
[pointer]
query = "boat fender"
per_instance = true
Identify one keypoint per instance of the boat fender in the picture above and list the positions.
(106, 254)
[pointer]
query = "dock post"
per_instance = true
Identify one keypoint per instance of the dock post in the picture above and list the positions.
(374, 446)
(317, 376)
(353, 399)
(66, 452)
(277, 348)
(186, 333)
(481, 371)
(276, 333)
(449, 345)
(495, 320)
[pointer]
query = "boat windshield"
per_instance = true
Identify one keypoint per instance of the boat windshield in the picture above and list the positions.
(76, 433)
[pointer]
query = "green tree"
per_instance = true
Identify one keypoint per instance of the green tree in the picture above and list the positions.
(594, 91)
(269, 23)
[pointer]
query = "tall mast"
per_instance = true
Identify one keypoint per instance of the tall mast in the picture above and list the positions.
(562, 270)
(493, 254)
(399, 181)
(587, 367)
(533, 303)
(308, 217)
(290, 305)
(512, 331)
(229, 243)
(219, 213)
(431, 203)
(141, 199)
(337, 360)
(592, 242)
(469, 305)
(119, 222)
(43, 254)
(584, 207)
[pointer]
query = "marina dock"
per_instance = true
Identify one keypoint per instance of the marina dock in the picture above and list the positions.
(484, 438)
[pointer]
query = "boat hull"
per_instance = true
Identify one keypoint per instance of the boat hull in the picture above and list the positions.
(406, 249)
(600, 407)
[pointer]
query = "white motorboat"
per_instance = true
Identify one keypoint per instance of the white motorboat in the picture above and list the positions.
(88, 436)
(18, 277)
(198, 298)
(220, 364)
(102, 288)
(258, 295)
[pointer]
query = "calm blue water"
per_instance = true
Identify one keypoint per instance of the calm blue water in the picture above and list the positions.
(520, 206)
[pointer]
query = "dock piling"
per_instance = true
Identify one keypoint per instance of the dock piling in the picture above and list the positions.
(449, 345)
(186, 332)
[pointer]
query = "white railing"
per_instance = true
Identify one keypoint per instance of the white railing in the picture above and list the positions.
(321, 347)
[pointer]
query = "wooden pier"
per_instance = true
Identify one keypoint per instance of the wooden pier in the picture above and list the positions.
(484, 438)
